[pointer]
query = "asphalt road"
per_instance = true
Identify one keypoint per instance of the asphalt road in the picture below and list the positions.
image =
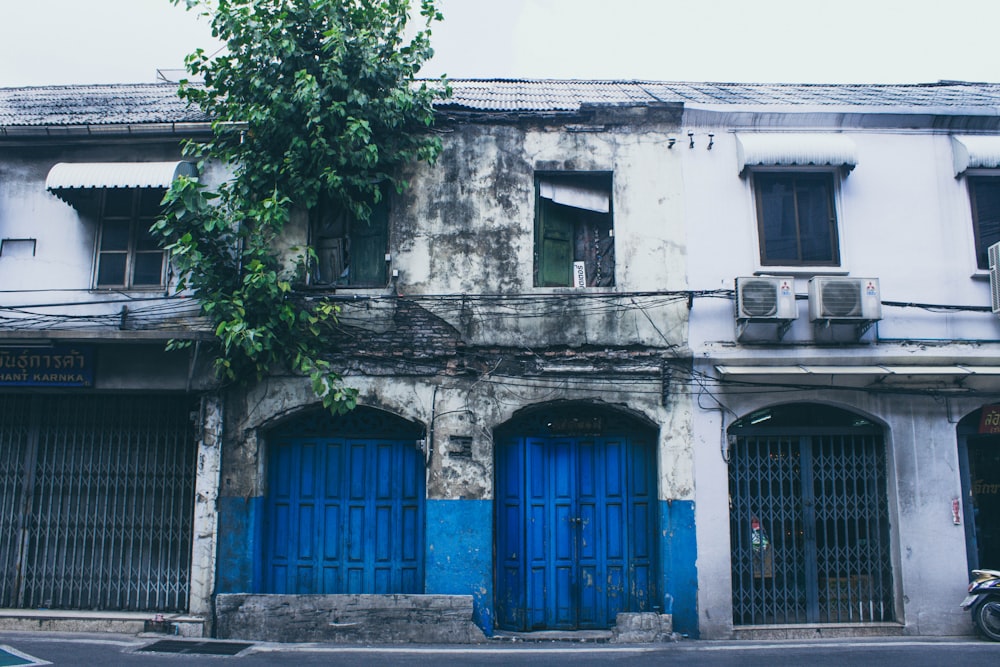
(114, 650)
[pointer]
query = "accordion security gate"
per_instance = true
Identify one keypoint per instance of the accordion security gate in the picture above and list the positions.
(96, 502)
(809, 528)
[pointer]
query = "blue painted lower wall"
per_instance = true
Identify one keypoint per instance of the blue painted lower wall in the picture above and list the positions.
(459, 557)
(239, 521)
(678, 563)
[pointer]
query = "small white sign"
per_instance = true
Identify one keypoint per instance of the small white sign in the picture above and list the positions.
(579, 274)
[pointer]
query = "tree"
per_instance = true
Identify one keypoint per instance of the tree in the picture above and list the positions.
(313, 102)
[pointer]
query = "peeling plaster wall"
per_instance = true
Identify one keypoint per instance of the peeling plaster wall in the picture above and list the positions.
(464, 413)
(205, 525)
(466, 225)
(462, 410)
(463, 341)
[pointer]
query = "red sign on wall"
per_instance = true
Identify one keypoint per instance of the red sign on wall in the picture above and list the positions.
(989, 422)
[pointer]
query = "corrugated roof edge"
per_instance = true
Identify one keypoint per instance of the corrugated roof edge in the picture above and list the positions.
(139, 104)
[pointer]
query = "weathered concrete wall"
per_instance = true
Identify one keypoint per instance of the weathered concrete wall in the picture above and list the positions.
(642, 628)
(465, 227)
(431, 619)
(459, 510)
(462, 342)
(204, 545)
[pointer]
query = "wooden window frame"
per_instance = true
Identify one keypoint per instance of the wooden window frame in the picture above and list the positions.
(354, 244)
(134, 218)
(562, 232)
(983, 239)
(796, 180)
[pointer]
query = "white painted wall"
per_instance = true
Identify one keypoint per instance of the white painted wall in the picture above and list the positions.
(62, 268)
(905, 219)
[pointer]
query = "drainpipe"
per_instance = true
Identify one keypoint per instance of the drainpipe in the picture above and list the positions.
(430, 429)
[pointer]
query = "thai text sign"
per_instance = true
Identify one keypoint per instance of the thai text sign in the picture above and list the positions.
(577, 426)
(57, 366)
(989, 422)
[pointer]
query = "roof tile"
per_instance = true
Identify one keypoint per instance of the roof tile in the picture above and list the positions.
(158, 103)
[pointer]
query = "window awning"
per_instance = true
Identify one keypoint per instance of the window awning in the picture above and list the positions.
(974, 152)
(858, 376)
(67, 178)
(795, 150)
(78, 175)
(586, 197)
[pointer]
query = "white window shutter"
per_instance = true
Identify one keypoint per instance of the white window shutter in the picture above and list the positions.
(994, 254)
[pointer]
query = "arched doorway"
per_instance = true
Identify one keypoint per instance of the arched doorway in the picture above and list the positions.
(979, 459)
(809, 521)
(344, 507)
(576, 518)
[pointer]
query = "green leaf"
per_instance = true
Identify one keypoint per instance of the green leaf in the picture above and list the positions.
(327, 110)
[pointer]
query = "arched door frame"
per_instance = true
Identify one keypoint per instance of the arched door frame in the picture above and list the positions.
(809, 517)
(362, 429)
(967, 429)
(552, 438)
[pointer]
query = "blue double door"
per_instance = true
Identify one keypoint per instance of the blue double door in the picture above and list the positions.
(576, 524)
(344, 515)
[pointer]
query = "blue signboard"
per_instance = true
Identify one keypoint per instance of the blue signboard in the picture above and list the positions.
(56, 366)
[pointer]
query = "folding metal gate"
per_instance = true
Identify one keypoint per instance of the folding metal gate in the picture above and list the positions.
(809, 524)
(96, 502)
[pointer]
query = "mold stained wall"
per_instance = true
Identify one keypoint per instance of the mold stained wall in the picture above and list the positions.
(470, 230)
(904, 218)
(465, 226)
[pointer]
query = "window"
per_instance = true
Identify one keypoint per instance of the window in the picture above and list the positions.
(127, 254)
(574, 231)
(984, 192)
(349, 252)
(796, 219)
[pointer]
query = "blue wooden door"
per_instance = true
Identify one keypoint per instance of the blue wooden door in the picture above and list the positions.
(575, 526)
(344, 515)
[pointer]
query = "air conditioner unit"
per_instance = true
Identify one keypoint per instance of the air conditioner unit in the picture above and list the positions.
(766, 299)
(838, 298)
(994, 254)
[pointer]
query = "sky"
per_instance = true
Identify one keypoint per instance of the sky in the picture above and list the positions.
(55, 42)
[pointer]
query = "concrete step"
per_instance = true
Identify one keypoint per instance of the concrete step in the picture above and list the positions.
(122, 622)
(581, 636)
(817, 631)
